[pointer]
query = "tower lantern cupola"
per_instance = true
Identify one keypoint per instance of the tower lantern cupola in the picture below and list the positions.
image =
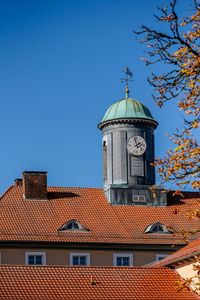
(128, 154)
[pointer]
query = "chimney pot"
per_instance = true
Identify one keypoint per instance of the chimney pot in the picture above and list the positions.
(35, 185)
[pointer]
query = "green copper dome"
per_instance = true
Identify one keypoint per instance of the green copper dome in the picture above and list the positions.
(127, 108)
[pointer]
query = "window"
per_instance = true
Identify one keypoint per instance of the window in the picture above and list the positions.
(125, 260)
(138, 198)
(160, 256)
(157, 228)
(35, 258)
(79, 259)
(73, 225)
(105, 159)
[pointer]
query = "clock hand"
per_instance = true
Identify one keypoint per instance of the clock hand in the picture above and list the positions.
(135, 140)
(137, 145)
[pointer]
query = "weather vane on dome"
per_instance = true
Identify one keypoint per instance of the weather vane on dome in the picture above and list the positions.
(129, 75)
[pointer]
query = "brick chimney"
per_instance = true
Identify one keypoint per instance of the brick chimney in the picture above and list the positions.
(18, 182)
(34, 185)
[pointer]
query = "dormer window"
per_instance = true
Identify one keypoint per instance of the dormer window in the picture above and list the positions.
(72, 225)
(157, 228)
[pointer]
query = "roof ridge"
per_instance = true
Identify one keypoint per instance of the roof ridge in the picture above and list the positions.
(75, 187)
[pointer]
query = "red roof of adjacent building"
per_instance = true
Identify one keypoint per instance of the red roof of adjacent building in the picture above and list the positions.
(53, 282)
(40, 220)
(187, 252)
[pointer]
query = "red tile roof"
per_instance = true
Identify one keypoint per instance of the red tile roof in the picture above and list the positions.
(191, 250)
(52, 282)
(137, 218)
(39, 220)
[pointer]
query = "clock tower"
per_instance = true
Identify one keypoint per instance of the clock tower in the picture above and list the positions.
(128, 154)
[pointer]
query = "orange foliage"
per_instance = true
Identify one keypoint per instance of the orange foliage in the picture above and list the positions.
(179, 48)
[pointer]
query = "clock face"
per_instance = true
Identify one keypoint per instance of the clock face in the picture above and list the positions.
(136, 145)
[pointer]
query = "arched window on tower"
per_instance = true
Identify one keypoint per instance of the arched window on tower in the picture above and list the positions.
(104, 160)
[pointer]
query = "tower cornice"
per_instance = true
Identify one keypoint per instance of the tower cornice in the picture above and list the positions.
(137, 121)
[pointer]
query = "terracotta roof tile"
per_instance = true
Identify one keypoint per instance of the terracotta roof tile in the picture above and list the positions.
(52, 282)
(191, 250)
(173, 216)
(39, 220)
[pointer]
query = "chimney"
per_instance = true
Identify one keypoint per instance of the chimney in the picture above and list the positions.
(18, 182)
(34, 185)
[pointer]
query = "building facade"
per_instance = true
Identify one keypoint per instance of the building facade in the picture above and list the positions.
(129, 222)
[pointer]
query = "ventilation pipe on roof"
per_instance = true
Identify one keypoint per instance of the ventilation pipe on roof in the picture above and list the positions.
(34, 185)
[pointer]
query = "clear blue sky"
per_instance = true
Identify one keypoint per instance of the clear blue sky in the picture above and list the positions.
(60, 69)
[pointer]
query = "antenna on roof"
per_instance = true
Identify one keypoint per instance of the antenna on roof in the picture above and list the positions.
(128, 75)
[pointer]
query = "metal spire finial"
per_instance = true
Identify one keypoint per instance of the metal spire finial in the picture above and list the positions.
(129, 75)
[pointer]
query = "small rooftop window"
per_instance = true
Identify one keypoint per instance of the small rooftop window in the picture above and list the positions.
(72, 225)
(138, 198)
(157, 228)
